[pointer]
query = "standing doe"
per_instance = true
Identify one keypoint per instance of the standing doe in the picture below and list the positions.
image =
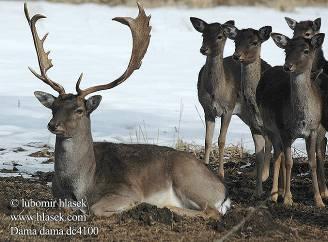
(248, 44)
(291, 107)
(114, 177)
(218, 86)
(308, 29)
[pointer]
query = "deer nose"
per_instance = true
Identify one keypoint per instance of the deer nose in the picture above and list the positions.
(236, 56)
(53, 125)
(288, 67)
(203, 50)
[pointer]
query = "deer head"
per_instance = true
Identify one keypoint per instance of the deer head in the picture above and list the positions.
(214, 35)
(248, 42)
(299, 51)
(71, 112)
(306, 29)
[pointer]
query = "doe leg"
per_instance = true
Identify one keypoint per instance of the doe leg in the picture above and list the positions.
(288, 198)
(210, 124)
(277, 155)
(225, 121)
(282, 176)
(320, 152)
(311, 148)
(259, 142)
(267, 159)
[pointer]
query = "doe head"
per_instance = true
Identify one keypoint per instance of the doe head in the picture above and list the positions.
(71, 112)
(214, 35)
(306, 29)
(248, 42)
(299, 51)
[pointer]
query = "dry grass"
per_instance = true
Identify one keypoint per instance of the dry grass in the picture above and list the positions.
(278, 4)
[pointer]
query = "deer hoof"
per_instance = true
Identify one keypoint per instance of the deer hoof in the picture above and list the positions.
(288, 200)
(324, 194)
(274, 197)
(318, 202)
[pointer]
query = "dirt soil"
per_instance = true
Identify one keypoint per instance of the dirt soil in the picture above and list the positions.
(263, 220)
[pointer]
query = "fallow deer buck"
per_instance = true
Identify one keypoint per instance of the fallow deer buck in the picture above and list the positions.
(291, 107)
(308, 29)
(219, 90)
(114, 177)
(248, 44)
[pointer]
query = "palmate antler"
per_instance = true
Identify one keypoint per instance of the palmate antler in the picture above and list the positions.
(140, 30)
(43, 57)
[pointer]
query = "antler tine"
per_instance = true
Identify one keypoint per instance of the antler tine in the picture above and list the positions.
(43, 57)
(140, 30)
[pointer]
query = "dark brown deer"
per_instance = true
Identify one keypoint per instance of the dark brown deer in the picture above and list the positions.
(114, 177)
(219, 88)
(308, 29)
(248, 44)
(291, 107)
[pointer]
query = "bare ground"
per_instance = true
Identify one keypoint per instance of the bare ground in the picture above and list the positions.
(264, 221)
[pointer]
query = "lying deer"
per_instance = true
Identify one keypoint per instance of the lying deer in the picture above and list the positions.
(248, 44)
(308, 29)
(115, 177)
(219, 90)
(291, 107)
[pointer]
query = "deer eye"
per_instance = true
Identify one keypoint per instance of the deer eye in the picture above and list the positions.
(254, 43)
(79, 111)
(307, 34)
(306, 51)
(220, 37)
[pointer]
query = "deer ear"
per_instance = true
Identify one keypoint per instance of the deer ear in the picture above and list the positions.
(92, 103)
(45, 99)
(317, 40)
(317, 24)
(198, 24)
(291, 23)
(280, 40)
(230, 31)
(265, 32)
(230, 22)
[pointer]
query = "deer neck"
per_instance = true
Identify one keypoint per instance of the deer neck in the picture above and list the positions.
(250, 76)
(215, 71)
(75, 163)
(302, 93)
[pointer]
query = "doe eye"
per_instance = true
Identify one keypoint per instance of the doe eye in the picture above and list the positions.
(307, 34)
(220, 37)
(306, 52)
(254, 43)
(79, 111)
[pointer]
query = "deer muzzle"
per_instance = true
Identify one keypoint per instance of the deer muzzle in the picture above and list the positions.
(56, 127)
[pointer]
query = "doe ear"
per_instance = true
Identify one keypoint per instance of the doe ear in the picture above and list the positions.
(316, 24)
(46, 99)
(230, 22)
(291, 23)
(198, 24)
(317, 40)
(280, 40)
(92, 103)
(230, 31)
(265, 32)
